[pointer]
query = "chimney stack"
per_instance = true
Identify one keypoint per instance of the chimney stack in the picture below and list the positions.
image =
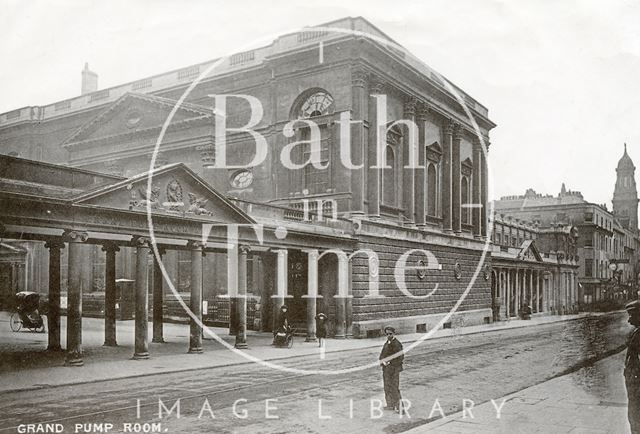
(89, 80)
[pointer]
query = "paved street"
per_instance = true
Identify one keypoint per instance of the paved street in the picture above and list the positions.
(476, 367)
(591, 400)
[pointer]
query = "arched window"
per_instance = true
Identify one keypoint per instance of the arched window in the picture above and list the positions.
(388, 178)
(432, 190)
(314, 103)
(389, 175)
(464, 193)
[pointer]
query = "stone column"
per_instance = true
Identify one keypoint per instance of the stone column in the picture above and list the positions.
(484, 192)
(408, 182)
(241, 335)
(232, 279)
(456, 197)
(74, 298)
(110, 250)
(53, 317)
(447, 168)
(342, 295)
(359, 103)
(508, 295)
(518, 288)
(476, 211)
(421, 174)
(373, 175)
(141, 346)
(312, 294)
(158, 298)
(531, 288)
(195, 327)
(282, 265)
(537, 291)
(348, 305)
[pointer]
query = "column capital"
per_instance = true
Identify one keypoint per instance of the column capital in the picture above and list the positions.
(376, 85)
(359, 76)
(280, 252)
(73, 236)
(457, 132)
(423, 111)
(244, 249)
(138, 241)
(312, 253)
(410, 106)
(54, 244)
(448, 127)
(195, 245)
(110, 247)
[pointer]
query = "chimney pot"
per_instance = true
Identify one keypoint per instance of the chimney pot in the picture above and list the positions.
(89, 80)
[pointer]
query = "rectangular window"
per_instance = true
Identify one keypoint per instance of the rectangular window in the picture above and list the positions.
(588, 267)
(317, 180)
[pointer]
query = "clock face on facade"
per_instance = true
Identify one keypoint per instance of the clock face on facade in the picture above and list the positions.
(316, 105)
(242, 179)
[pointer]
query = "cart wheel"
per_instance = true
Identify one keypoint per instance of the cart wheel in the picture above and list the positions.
(289, 341)
(40, 329)
(15, 322)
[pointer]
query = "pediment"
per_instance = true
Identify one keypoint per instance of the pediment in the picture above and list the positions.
(434, 151)
(467, 167)
(133, 114)
(529, 252)
(176, 190)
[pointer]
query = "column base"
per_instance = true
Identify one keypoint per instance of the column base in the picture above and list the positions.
(241, 345)
(157, 340)
(140, 356)
(110, 343)
(340, 337)
(54, 348)
(74, 359)
(447, 231)
(311, 339)
(457, 232)
(195, 350)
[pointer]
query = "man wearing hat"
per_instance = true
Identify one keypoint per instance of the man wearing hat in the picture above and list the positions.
(632, 366)
(391, 368)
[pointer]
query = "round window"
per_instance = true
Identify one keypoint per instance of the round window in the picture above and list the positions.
(133, 118)
(242, 179)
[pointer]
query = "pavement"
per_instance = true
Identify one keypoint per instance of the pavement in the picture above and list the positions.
(590, 400)
(25, 364)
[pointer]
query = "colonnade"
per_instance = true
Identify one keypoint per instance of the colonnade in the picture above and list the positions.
(544, 291)
(517, 286)
(237, 294)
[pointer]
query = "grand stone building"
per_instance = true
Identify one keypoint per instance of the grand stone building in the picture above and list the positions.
(317, 75)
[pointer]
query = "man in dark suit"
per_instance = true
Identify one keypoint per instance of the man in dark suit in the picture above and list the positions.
(632, 367)
(391, 358)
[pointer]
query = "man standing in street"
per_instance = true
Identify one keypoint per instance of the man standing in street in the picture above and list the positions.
(391, 358)
(632, 367)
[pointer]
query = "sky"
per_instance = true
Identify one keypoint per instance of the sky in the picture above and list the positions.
(560, 78)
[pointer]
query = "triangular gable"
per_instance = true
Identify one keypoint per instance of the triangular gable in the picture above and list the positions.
(134, 112)
(434, 151)
(529, 251)
(176, 190)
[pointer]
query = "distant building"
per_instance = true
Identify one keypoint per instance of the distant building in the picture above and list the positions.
(533, 266)
(608, 243)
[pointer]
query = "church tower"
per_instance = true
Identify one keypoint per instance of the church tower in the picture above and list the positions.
(625, 195)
